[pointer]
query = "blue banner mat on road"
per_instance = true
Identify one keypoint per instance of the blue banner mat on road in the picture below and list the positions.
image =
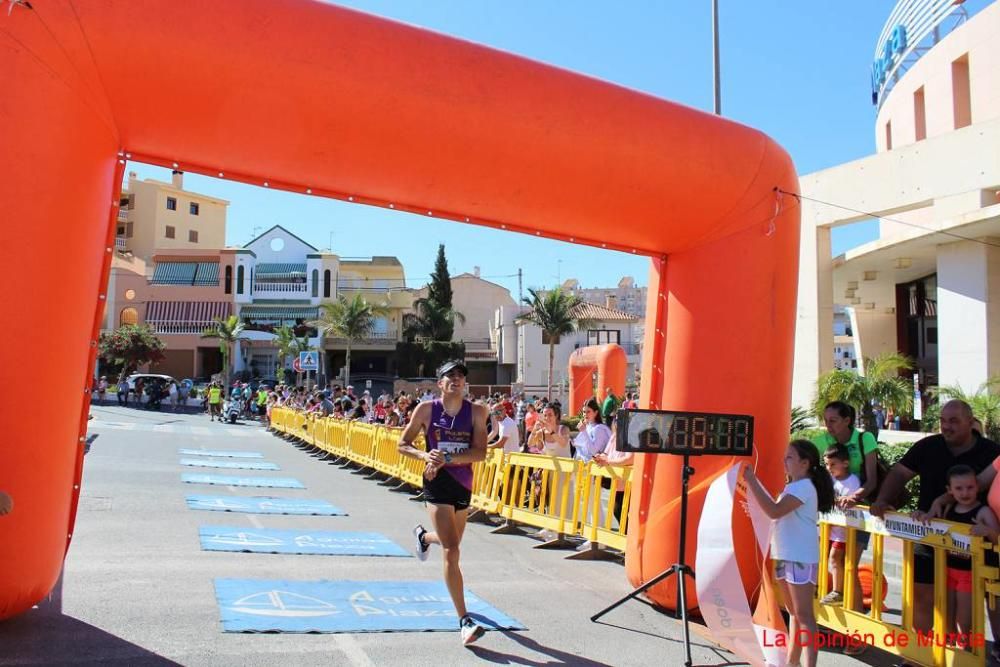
(227, 480)
(264, 505)
(321, 542)
(230, 465)
(221, 453)
(251, 605)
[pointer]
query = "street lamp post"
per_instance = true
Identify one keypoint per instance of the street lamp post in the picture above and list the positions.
(717, 98)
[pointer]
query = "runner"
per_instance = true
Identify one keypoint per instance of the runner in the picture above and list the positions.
(455, 431)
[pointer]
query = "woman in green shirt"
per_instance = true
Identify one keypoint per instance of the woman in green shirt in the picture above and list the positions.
(839, 418)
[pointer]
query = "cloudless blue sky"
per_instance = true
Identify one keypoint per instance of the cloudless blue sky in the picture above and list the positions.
(798, 71)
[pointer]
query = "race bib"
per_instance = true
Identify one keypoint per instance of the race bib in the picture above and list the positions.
(453, 447)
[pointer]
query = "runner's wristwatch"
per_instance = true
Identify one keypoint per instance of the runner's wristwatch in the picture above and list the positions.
(447, 457)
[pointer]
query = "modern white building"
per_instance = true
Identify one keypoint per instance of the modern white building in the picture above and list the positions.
(844, 353)
(929, 286)
(626, 297)
(604, 325)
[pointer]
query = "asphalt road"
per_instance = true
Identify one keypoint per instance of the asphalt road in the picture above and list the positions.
(138, 590)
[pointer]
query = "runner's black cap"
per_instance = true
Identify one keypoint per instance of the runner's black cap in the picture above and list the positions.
(451, 365)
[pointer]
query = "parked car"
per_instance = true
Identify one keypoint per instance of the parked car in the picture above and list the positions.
(147, 378)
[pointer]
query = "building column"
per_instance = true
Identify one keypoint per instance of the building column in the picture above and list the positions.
(874, 333)
(968, 297)
(814, 321)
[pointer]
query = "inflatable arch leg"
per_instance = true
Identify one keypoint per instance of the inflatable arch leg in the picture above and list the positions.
(317, 105)
(611, 364)
(697, 299)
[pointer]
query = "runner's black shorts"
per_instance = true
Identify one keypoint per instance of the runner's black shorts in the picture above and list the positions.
(446, 490)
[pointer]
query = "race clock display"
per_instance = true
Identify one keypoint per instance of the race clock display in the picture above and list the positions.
(693, 433)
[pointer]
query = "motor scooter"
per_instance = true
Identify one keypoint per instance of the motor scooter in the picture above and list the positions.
(233, 410)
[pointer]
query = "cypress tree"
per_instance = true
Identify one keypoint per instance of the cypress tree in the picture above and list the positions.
(439, 290)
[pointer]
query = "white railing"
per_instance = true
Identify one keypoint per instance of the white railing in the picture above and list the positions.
(181, 327)
(373, 338)
(282, 289)
(122, 215)
(120, 243)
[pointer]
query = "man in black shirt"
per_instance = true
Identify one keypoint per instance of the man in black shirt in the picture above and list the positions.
(930, 459)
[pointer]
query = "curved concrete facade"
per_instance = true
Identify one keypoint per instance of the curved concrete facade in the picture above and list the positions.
(950, 87)
(929, 286)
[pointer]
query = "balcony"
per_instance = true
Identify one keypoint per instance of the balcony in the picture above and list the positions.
(375, 338)
(122, 215)
(280, 290)
(121, 244)
(179, 327)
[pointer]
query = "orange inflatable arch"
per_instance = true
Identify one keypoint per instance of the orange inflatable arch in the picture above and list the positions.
(325, 101)
(611, 364)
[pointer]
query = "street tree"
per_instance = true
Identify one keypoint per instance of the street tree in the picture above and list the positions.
(227, 330)
(434, 316)
(297, 346)
(881, 384)
(985, 404)
(556, 313)
(284, 340)
(131, 346)
(350, 319)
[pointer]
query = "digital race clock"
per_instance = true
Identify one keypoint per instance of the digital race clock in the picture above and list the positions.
(693, 433)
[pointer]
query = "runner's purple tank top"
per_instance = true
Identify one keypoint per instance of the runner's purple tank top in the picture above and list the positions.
(452, 434)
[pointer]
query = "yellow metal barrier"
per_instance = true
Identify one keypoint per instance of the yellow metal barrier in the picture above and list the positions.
(943, 536)
(359, 440)
(337, 437)
(551, 493)
(487, 482)
(598, 519)
(539, 491)
(411, 470)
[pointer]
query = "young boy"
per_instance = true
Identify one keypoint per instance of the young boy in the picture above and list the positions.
(845, 483)
(964, 488)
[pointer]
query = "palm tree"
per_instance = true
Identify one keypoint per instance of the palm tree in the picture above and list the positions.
(556, 314)
(228, 331)
(881, 384)
(296, 347)
(985, 404)
(351, 319)
(431, 321)
(284, 338)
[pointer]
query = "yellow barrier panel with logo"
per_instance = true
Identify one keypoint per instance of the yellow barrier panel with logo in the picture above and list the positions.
(931, 648)
(601, 514)
(540, 491)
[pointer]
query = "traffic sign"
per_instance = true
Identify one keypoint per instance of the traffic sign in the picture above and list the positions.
(309, 361)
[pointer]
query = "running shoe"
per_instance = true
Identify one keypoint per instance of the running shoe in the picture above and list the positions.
(471, 631)
(422, 547)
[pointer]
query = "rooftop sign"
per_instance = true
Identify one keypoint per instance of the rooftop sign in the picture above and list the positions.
(913, 27)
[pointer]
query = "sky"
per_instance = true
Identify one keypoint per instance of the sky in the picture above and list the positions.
(798, 71)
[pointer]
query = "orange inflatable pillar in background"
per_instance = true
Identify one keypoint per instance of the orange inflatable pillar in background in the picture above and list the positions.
(611, 365)
(305, 97)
